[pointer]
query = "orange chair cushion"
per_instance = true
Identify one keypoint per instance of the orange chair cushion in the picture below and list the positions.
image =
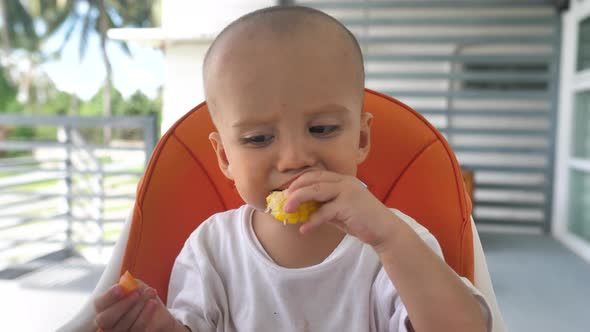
(410, 167)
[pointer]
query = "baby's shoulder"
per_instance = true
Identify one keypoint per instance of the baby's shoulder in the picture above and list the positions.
(220, 226)
(420, 230)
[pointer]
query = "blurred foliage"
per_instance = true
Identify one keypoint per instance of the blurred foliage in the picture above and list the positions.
(24, 28)
(98, 18)
(144, 13)
(25, 25)
(137, 104)
(60, 102)
(94, 107)
(7, 92)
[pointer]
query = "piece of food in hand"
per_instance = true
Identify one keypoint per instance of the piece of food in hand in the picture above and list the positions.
(276, 201)
(128, 283)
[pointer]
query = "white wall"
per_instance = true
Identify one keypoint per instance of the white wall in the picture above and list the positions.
(183, 86)
(190, 27)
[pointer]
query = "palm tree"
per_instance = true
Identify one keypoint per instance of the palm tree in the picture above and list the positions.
(21, 32)
(26, 25)
(98, 17)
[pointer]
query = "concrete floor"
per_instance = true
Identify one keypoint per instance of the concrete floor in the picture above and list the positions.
(44, 300)
(541, 286)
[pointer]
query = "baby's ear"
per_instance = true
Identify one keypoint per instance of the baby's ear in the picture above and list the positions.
(364, 136)
(222, 160)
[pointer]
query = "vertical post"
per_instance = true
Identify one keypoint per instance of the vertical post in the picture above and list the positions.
(150, 135)
(69, 184)
(454, 87)
(450, 96)
(101, 194)
(554, 72)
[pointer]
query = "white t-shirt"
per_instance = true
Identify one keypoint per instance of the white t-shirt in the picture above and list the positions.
(223, 280)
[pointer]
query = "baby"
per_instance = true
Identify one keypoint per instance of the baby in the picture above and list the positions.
(284, 86)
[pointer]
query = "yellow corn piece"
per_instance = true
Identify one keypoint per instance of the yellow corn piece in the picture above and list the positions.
(275, 202)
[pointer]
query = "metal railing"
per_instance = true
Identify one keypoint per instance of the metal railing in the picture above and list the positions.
(71, 192)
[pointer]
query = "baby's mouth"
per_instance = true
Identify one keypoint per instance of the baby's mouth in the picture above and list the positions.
(287, 184)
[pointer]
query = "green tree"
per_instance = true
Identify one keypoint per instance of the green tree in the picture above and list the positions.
(7, 103)
(99, 17)
(94, 106)
(139, 104)
(7, 92)
(26, 24)
(58, 103)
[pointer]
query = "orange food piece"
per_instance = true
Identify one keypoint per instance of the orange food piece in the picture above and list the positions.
(128, 283)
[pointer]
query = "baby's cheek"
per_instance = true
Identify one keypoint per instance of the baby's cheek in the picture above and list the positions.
(346, 166)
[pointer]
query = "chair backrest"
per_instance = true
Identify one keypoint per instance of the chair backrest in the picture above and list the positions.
(410, 167)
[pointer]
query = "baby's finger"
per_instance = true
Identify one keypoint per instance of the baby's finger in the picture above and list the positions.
(324, 214)
(131, 316)
(107, 318)
(312, 177)
(142, 285)
(110, 297)
(319, 192)
(145, 316)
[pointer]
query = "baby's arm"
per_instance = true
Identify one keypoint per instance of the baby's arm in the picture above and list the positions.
(138, 310)
(435, 298)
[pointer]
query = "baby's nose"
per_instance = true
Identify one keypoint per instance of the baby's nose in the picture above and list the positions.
(294, 155)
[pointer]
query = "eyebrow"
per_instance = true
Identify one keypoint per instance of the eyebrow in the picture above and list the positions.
(327, 109)
(248, 122)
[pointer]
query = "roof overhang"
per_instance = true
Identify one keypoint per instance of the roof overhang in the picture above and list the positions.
(158, 37)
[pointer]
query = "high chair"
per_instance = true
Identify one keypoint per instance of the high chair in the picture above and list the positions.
(410, 167)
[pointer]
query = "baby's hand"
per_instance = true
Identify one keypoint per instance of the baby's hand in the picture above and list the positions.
(138, 310)
(347, 204)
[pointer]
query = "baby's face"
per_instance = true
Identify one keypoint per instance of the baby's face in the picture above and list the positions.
(283, 112)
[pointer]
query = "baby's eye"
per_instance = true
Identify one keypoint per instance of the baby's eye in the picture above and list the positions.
(323, 130)
(258, 140)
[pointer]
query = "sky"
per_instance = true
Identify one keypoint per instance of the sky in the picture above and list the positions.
(143, 71)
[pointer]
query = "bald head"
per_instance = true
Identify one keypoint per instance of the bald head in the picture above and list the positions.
(282, 22)
(299, 33)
